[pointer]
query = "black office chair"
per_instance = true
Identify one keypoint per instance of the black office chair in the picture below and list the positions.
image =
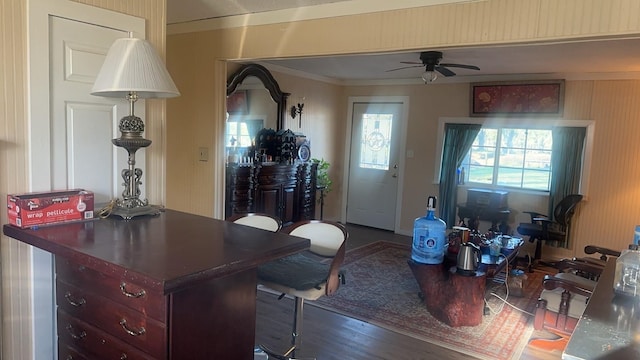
(542, 228)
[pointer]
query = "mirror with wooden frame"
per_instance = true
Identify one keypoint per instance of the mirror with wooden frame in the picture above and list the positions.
(254, 102)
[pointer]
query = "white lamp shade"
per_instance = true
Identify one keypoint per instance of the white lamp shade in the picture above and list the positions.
(133, 65)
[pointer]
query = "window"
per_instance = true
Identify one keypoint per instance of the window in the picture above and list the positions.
(237, 134)
(375, 142)
(510, 157)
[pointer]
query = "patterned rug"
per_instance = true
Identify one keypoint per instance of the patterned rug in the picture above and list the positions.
(380, 289)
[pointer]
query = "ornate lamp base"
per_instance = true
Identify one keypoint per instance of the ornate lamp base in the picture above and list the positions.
(130, 213)
(131, 139)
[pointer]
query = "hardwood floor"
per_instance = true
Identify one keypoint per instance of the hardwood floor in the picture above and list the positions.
(328, 336)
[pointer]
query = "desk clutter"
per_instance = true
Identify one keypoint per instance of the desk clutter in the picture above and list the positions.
(491, 243)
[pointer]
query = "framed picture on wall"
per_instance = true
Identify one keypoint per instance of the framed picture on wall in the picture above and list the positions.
(237, 103)
(517, 98)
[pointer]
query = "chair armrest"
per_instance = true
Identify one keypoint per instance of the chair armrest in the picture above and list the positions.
(591, 249)
(593, 261)
(579, 265)
(534, 214)
(545, 223)
(551, 283)
(333, 281)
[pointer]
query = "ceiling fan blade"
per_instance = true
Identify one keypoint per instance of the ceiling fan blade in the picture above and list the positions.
(404, 67)
(412, 62)
(471, 67)
(444, 71)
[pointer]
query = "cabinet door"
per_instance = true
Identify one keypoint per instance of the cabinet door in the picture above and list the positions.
(289, 208)
(268, 200)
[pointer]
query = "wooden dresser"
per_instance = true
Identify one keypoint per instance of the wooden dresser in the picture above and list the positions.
(282, 190)
(174, 286)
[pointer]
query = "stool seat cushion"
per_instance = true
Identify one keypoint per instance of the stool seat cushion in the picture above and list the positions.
(296, 271)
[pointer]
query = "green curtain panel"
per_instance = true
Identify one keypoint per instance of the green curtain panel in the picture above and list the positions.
(566, 165)
(457, 142)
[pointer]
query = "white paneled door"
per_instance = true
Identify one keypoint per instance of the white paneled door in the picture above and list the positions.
(374, 164)
(83, 125)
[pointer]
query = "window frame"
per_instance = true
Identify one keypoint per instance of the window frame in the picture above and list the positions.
(498, 165)
(527, 122)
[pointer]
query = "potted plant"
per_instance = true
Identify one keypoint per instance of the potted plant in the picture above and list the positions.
(323, 182)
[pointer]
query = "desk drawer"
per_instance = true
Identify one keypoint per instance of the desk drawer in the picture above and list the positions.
(88, 342)
(135, 296)
(124, 323)
(67, 352)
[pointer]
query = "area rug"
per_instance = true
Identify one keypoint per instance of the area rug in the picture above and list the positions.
(380, 289)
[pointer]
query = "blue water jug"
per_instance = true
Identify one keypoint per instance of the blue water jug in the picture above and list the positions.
(429, 236)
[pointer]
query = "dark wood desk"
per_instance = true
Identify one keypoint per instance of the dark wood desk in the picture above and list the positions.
(609, 328)
(174, 286)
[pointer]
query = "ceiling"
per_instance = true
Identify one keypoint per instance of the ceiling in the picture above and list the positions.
(597, 59)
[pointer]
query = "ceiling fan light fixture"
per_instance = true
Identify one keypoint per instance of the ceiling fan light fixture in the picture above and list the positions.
(429, 76)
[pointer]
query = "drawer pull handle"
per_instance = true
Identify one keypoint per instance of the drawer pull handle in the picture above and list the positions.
(75, 335)
(131, 332)
(127, 293)
(73, 301)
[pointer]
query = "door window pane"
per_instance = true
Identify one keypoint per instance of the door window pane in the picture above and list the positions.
(375, 141)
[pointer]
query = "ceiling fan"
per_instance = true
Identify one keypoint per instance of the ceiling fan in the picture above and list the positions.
(431, 61)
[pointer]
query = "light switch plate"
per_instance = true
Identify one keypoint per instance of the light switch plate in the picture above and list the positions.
(203, 154)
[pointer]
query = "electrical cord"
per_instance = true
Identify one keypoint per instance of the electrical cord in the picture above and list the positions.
(506, 278)
(106, 210)
(505, 299)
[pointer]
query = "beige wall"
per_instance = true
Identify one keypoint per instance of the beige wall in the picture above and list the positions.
(13, 161)
(435, 27)
(16, 302)
(195, 120)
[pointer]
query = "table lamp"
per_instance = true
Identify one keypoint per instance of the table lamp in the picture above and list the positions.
(133, 70)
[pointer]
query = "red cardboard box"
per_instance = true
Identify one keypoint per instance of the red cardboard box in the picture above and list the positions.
(27, 210)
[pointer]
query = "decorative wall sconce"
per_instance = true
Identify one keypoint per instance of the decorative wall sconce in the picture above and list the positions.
(297, 111)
